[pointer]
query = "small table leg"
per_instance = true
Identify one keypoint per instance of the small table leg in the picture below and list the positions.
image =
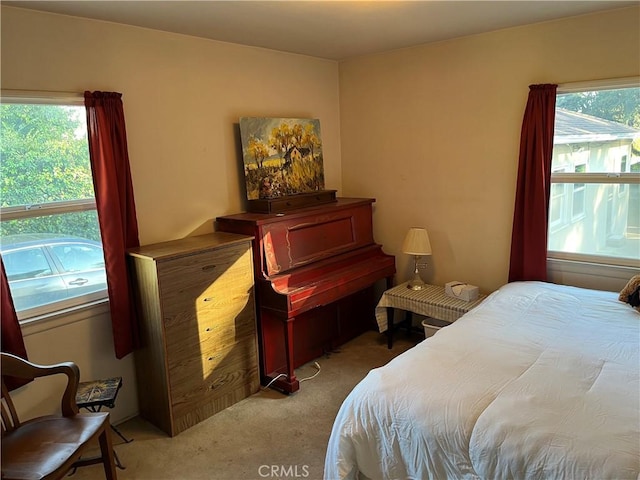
(408, 319)
(94, 409)
(99, 408)
(390, 314)
(126, 440)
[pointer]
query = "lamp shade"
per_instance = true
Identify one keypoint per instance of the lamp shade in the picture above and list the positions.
(417, 242)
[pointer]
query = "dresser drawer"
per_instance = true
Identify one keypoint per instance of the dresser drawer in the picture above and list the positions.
(229, 293)
(215, 328)
(198, 380)
(224, 302)
(205, 275)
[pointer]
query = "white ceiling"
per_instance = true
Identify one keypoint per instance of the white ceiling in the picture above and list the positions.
(331, 29)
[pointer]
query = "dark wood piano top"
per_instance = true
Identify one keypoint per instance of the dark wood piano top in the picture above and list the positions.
(263, 218)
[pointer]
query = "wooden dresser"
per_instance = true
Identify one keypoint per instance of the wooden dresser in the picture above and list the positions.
(196, 310)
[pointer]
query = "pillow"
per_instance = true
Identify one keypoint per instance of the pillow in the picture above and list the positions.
(631, 292)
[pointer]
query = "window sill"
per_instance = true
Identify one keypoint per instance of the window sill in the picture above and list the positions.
(583, 274)
(67, 316)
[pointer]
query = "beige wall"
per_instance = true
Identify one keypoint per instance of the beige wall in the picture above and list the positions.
(432, 132)
(183, 97)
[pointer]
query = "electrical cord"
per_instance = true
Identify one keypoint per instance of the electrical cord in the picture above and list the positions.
(273, 380)
(316, 364)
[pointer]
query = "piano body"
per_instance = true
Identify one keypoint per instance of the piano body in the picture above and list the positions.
(315, 269)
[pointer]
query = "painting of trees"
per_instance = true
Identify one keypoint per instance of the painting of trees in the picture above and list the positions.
(259, 151)
(281, 156)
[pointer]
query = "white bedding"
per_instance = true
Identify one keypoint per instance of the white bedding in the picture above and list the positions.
(540, 381)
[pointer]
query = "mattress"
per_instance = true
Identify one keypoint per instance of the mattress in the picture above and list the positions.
(538, 381)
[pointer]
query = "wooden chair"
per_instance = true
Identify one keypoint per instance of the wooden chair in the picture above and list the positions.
(48, 447)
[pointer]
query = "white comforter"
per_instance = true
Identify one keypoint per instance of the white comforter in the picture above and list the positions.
(538, 382)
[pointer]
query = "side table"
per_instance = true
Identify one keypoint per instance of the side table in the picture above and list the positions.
(96, 394)
(431, 301)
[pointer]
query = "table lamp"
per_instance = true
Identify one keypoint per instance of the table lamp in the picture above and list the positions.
(416, 243)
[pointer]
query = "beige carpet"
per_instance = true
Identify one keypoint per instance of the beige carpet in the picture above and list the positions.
(267, 429)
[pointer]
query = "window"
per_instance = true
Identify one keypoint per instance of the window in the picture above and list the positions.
(596, 155)
(623, 168)
(556, 202)
(578, 195)
(49, 233)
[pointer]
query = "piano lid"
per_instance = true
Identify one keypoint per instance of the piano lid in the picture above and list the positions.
(324, 282)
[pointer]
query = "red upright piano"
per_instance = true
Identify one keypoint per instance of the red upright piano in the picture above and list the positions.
(315, 269)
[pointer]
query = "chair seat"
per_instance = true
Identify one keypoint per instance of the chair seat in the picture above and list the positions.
(43, 445)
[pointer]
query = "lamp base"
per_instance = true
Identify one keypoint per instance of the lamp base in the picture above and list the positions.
(416, 283)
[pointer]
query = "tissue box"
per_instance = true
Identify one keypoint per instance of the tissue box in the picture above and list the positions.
(461, 290)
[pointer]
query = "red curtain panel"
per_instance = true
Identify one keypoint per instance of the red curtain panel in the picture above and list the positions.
(12, 341)
(116, 209)
(530, 217)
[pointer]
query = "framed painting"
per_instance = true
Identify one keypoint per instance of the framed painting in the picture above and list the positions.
(281, 156)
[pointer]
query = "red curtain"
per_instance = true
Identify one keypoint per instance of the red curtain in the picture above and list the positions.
(116, 209)
(529, 235)
(12, 341)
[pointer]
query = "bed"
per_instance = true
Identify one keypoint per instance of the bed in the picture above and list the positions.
(540, 381)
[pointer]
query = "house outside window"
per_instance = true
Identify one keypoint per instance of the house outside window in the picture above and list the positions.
(578, 199)
(557, 202)
(596, 154)
(49, 233)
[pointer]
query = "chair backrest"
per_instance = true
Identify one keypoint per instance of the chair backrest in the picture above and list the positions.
(10, 420)
(14, 366)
